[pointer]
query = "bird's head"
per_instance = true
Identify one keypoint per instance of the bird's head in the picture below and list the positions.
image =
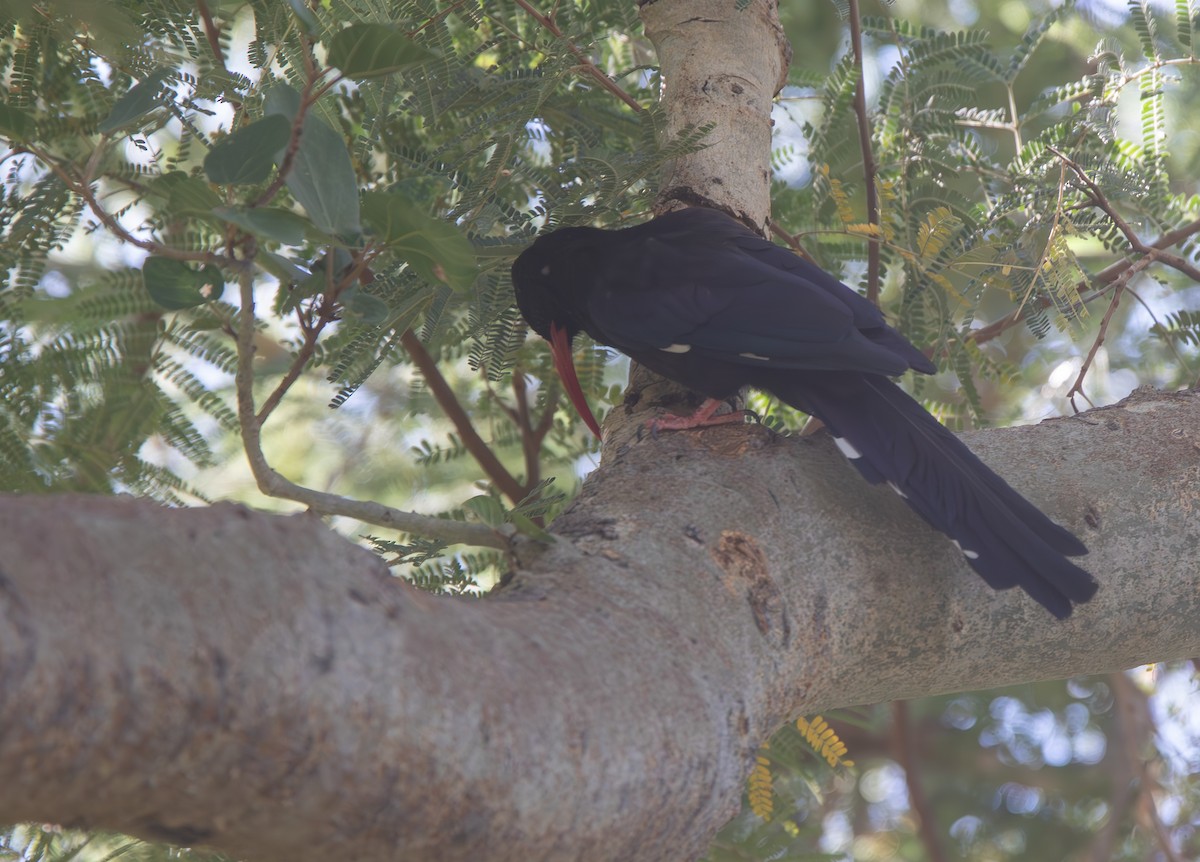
(550, 282)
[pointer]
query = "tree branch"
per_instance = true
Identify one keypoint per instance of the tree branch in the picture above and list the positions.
(619, 686)
(532, 433)
(271, 483)
(864, 143)
(1100, 200)
(1077, 386)
(1108, 275)
(1136, 732)
(901, 752)
(82, 186)
(585, 62)
(448, 401)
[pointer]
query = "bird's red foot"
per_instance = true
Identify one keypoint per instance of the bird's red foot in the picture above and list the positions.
(702, 418)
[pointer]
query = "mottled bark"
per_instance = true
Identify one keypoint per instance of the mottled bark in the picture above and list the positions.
(721, 66)
(255, 683)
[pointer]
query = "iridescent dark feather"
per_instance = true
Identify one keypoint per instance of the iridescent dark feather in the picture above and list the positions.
(699, 298)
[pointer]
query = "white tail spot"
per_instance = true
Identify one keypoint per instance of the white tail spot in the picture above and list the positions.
(755, 356)
(970, 555)
(896, 488)
(846, 449)
(676, 348)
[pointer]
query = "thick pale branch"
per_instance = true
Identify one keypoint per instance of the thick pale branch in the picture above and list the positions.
(274, 484)
(257, 684)
(720, 65)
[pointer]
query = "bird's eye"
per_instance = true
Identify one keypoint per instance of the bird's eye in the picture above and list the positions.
(546, 269)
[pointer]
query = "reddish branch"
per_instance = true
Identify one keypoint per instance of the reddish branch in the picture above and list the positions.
(1135, 728)
(312, 328)
(446, 399)
(901, 743)
(585, 61)
(307, 98)
(1108, 275)
(211, 32)
(82, 186)
(868, 157)
(1098, 199)
(792, 241)
(532, 433)
(1077, 386)
(1149, 254)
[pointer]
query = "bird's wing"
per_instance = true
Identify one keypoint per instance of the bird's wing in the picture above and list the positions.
(709, 285)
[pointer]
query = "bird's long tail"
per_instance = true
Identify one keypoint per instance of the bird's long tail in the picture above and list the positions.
(890, 438)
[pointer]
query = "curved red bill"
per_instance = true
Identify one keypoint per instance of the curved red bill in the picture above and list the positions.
(564, 364)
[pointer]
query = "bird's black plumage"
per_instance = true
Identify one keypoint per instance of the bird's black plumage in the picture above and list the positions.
(699, 298)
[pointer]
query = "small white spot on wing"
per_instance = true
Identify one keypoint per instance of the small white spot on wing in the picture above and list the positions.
(896, 488)
(546, 269)
(676, 348)
(970, 555)
(846, 449)
(755, 356)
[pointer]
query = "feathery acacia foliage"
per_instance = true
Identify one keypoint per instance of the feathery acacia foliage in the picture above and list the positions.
(464, 130)
(371, 215)
(231, 151)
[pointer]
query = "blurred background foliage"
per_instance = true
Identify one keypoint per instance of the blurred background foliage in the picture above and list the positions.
(1027, 156)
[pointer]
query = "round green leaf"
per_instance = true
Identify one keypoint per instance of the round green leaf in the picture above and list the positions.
(434, 248)
(304, 14)
(363, 306)
(371, 50)
(486, 509)
(268, 222)
(322, 175)
(247, 156)
(184, 194)
(141, 99)
(175, 285)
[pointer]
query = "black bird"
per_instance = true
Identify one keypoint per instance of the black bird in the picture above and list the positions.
(697, 297)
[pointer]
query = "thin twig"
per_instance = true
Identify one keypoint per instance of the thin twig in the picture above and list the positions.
(1015, 123)
(1099, 199)
(520, 415)
(793, 242)
(312, 332)
(211, 32)
(1108, 275)
(1077, 386)
(446, 399)
(1043, 260)
(1179, 357)
(1118, 272)
(585, 61)
(532, 433)
(273, 484)
(293, 147)
(83, 188)
(439, 16)
(868, 157)
(546, 420)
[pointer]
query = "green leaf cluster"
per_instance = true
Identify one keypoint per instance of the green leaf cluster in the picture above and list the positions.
(982, 205)
(371, 168)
